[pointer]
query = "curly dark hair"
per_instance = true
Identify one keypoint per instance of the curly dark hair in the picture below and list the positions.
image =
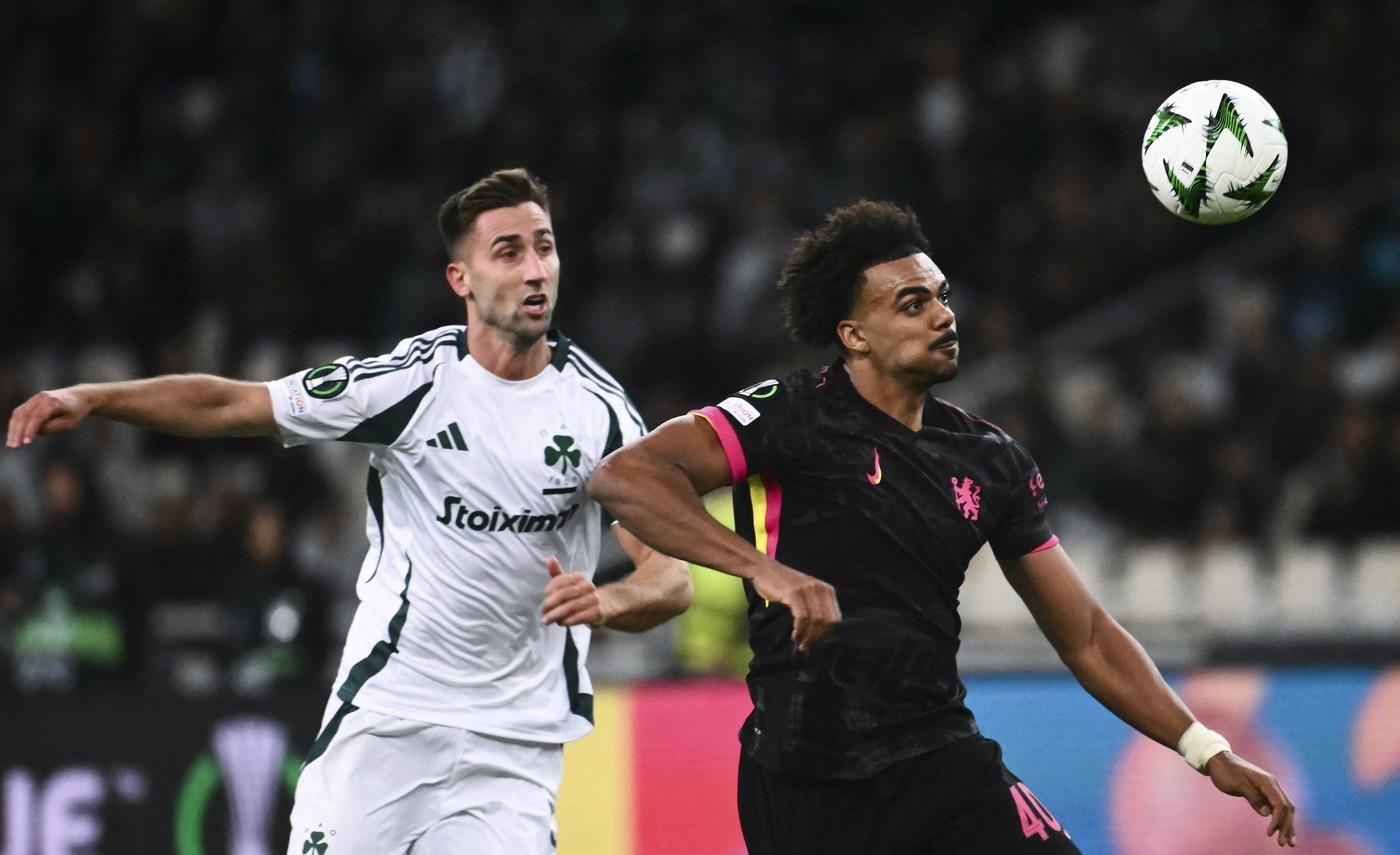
(826, 268)
(504, 188)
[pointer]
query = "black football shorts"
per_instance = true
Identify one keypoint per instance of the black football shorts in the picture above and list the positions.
(958, 800)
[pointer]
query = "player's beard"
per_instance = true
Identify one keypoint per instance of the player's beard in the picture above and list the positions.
(938, 367)
(945, 367)
(511, 324)
(940, 374)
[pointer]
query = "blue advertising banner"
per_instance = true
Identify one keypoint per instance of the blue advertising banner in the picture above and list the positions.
(1331, 735)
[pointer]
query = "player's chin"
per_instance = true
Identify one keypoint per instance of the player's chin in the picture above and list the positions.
(943, 369)
(528, 329)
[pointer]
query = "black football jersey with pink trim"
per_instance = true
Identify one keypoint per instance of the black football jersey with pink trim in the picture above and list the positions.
(827, 483)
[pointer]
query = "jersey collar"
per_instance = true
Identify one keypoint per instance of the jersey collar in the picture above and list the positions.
(559, 345)
(838, 377)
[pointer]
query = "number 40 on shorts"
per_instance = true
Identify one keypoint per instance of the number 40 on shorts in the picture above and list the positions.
(1034, 817)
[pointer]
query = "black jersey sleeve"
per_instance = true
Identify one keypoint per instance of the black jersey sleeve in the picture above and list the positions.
(764, 427)
(1023, 528)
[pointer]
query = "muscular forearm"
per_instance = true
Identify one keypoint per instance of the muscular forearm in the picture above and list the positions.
(653, 486)
(647, 598)
(661, 507)
(1114, 668)
(183, 404)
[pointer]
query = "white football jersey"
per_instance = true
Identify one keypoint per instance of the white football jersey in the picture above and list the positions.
(473, 482)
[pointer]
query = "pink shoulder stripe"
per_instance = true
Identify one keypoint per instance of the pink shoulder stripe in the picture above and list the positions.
(772, 510)
(728, 440)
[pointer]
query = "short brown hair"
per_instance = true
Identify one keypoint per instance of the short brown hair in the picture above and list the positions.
(827, 266)
(504, 188)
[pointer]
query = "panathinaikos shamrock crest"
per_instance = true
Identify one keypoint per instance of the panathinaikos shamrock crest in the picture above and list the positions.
(316, 843)
(562, 453)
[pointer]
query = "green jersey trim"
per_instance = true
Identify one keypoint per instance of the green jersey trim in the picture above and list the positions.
(590, 369)
(419, 350)
(386, 427)
(379, 655)
(580, 703)
(323, 739)
(563, 348)
(614, 441)
(374, 494)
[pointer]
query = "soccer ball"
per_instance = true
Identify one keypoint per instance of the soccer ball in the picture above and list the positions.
(1214, 152)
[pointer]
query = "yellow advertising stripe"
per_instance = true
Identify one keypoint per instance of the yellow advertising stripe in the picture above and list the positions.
(595, 802)
(758, 498)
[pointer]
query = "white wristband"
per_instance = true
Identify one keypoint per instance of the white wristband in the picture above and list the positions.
(1198, 744)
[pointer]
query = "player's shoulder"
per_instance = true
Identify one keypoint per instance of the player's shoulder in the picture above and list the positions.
(577, 366)
(1005, 459)
(790, 400)
(446, 343)
(1002, 458)
(580, 370)
(410, 365)
(798, 385)
(950, 417)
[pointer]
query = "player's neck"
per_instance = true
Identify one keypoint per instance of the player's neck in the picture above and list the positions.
(505, 357)
(894, 396)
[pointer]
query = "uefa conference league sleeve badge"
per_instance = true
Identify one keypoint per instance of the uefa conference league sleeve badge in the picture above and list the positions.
(326, 381)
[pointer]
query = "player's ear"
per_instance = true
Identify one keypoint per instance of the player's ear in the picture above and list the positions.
(459, 279)
(852, 338)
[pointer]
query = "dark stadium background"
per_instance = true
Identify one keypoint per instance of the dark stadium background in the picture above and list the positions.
(249, 188)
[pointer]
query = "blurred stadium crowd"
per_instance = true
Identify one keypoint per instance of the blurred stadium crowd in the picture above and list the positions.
(249, 187)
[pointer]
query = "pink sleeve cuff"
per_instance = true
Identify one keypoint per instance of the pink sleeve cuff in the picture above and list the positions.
(728, 440)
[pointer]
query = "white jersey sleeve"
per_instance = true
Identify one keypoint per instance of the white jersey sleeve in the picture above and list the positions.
(367, 401)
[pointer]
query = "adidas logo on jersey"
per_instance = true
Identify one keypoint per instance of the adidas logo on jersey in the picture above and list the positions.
(450, 438)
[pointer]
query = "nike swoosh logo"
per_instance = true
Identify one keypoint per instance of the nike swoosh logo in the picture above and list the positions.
(874, 477)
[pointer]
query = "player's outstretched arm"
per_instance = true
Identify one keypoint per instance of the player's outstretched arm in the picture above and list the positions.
(656, 591)
(182, 404)
(653, 487)
(1115, 669)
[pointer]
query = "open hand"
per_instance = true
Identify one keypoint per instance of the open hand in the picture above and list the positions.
(45, 413)
(1235, 776)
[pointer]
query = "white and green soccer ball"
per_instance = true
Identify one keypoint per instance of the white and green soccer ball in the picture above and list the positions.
(1214, 152)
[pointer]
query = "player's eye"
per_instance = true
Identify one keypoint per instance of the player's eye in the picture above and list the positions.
(546, 248)
(945, 296)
